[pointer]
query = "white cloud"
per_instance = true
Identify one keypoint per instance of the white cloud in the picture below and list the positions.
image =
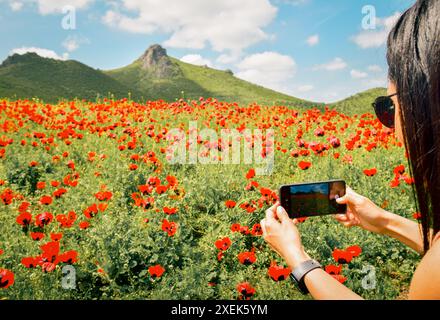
(223, 24)
(45, 53)
(228, 58)
(197, 60)
(305, 88)
(16, 5)
(313, 40)
(375, 68)
(50, 6)
(377, 82)
(356, 74)
(335, 64)
(268, 69)
(377, 37)
(72, 43)
(296, 2)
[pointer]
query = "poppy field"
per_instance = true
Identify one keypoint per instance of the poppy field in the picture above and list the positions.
(89, 186)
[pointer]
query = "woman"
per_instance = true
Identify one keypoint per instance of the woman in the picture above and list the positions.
(414, 89)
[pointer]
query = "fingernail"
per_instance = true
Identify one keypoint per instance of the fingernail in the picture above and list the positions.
(280, 209)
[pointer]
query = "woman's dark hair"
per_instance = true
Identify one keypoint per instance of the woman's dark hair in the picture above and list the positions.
(414, 66)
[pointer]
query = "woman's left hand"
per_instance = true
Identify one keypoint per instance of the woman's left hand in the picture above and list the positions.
(281, 233)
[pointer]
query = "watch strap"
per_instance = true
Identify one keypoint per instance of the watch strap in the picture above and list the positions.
(299, 273)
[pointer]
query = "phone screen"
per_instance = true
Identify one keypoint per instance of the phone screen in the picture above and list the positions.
(313, 199)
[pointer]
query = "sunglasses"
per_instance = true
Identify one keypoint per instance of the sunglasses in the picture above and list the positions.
(385, 110)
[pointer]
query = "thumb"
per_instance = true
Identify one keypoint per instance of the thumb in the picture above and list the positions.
(348, 197)
(343, 200)
(282, 214)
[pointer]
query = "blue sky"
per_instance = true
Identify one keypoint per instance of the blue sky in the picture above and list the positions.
(314, 49)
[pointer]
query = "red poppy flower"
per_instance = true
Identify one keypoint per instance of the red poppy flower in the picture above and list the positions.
(46, 200)
(37, 236)
(220, 256)
(172, 181)
(103, 195)
(370, 172)
(304, 165)
(156, 271)
(250, 174)
(91, 211)
(54, 184)
(29, 262)
(41, 185)
(169, 227)
(301, 220)
(256, 230)
(354, 250)
(43, 219)
(417, 216)
(333, 270)
(50, 251)
(399, 170)
(69, 257)
(235, 227)
(24, 219)
(252, 185)
(146, 189)
(56, 236)
(244, 230)
(23, 206)
(230, 204)
(7, 196)
(246, 290)
(58, 193)
(169, 211)
(247, 258)
(395, 183)
(84, 225)
(161, 189)
(223, 244)
(6, 278)
(278, 273)
(342, 256)
(33, 164)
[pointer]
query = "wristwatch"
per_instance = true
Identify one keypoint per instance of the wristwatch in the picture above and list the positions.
(300, 272)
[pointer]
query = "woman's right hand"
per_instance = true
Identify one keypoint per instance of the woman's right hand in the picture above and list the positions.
(362, 212)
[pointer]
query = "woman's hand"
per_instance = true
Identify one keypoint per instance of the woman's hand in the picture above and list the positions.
(281, 233)
(362, 212)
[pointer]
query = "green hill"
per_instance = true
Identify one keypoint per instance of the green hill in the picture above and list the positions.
(29, 75)
(153, 76)
(359, 103)
(159, 76)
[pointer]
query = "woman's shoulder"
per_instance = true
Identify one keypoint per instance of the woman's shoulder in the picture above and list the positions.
(426, 281)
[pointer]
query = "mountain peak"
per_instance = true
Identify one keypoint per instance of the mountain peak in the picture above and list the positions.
(19, 58)
(156, 61)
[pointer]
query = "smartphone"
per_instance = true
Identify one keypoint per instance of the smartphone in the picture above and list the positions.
(313, 199)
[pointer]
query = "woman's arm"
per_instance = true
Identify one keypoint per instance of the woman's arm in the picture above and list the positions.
(364, 213)
(404, 230)
(320, 284)
(282, 235)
